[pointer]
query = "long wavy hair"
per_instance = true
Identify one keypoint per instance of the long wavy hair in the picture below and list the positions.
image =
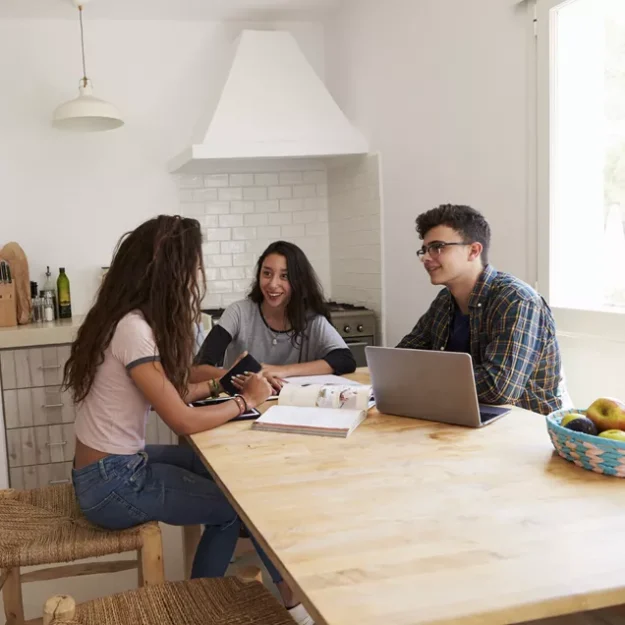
(156, 269)
(307, 297)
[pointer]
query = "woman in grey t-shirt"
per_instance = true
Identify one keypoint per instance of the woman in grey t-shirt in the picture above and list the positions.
(284, 324)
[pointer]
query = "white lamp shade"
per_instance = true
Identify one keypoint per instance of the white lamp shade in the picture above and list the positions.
(87, 113)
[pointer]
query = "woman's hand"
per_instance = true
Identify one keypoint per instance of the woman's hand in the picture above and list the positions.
(275, 375)
(254, 387)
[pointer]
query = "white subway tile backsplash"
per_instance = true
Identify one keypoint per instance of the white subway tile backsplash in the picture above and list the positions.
(280, 219)
(217, 208)
(242, 213)
(230, 221)
(232, 273)
(217, 234)
(232, 247)
(210, 221)
(268, 232)
(256, 219)
(211, 248)
(243, 260)
(218, 260)
(241, 180)
(241, 208)
(280, 193)
(314, 177)
(241, 285)
(317, 229)
(316, 204)
(292, 205)
(193, 209)
(305, 217)
(298, 230)
(255, 193)
(216, 180)
(266, 180)
(291, 177)
(305, 190)
(267, 206)
(229, 194)
(204, 195)
(242, 234)
(219, 286)
(211, 273)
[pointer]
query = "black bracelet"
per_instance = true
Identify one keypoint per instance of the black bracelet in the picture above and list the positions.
(245, 402)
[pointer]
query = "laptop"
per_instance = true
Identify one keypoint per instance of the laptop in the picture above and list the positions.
(431, 385)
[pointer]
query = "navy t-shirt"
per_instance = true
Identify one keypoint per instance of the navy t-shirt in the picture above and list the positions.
(460, 332)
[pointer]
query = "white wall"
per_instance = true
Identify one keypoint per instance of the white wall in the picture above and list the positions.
(67, 198)
(440, 87)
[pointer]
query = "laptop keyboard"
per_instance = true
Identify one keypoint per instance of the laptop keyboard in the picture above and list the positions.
(490, 412)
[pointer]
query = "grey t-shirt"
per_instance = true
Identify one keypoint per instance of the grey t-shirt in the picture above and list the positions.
(249, 331)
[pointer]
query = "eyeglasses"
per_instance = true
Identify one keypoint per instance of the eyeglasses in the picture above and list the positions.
(434, 249)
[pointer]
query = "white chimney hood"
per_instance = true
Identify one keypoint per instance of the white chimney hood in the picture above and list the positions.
(273, 105)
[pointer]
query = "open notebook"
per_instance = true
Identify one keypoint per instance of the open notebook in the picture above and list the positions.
(321, 409)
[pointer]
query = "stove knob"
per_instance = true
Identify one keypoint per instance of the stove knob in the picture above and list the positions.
(360, 328)
(347, 329)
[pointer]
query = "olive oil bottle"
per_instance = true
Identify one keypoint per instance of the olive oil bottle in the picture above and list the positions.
(64, 298)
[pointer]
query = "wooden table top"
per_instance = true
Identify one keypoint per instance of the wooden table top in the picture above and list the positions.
(408, 521)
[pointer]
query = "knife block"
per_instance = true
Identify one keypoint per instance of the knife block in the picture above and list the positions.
(8, 306)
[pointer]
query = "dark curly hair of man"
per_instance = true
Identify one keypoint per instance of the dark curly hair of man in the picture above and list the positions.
(466, 221)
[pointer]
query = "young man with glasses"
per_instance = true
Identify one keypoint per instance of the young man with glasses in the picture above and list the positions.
(504, 324)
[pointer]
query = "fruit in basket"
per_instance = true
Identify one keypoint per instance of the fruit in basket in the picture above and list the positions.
(607, 413)
(570, 417)
(617, 435)
(580, 423)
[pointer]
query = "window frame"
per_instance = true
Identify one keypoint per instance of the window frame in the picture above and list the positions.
(602, 324)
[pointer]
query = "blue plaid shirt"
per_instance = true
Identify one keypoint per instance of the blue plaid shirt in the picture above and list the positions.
(516, 357)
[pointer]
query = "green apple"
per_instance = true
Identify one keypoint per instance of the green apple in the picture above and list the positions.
(617, 435)
(607, 413)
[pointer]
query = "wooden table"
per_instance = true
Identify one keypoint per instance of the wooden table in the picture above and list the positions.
(408, 521)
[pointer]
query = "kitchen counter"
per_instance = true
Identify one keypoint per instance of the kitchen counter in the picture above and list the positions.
(35, 334)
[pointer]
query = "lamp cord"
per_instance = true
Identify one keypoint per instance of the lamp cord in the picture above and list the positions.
(82, 46)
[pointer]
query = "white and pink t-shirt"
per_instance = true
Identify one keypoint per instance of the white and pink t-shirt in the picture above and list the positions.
(113, 416)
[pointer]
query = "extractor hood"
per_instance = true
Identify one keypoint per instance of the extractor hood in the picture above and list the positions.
(272, 105)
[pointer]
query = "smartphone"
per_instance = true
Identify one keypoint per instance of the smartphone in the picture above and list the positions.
(248, 363)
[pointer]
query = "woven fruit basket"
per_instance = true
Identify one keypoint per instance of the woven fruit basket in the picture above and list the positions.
(593, 453)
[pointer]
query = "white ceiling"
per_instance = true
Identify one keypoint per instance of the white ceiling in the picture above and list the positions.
(167, 9)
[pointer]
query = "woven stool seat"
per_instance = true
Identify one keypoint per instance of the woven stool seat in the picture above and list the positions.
(45, 526)
(215, 601)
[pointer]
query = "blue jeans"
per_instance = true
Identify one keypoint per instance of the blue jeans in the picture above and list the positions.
(165, 483)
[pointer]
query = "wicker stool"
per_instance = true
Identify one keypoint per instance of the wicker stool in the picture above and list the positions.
(215, 601)
(46, 526)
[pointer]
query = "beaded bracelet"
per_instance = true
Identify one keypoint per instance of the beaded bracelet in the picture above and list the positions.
(244, 401)
(213, 387)
(241, 405)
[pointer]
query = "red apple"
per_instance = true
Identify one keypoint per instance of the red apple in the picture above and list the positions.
(607, 413)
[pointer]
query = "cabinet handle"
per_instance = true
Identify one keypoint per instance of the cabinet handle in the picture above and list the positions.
(49, 366)
(52, 405)
(66, 481)
(48, 444)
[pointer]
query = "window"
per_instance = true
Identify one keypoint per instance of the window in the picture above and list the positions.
(581, 153)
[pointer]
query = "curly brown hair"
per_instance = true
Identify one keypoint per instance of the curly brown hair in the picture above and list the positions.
(469, 223)
(156, 269)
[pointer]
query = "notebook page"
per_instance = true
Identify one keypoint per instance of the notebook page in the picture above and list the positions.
(312, 418)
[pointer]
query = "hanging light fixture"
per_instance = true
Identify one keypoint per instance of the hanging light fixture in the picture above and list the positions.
(86, 113)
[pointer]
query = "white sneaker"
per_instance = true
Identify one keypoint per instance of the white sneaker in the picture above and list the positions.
(300, 615)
